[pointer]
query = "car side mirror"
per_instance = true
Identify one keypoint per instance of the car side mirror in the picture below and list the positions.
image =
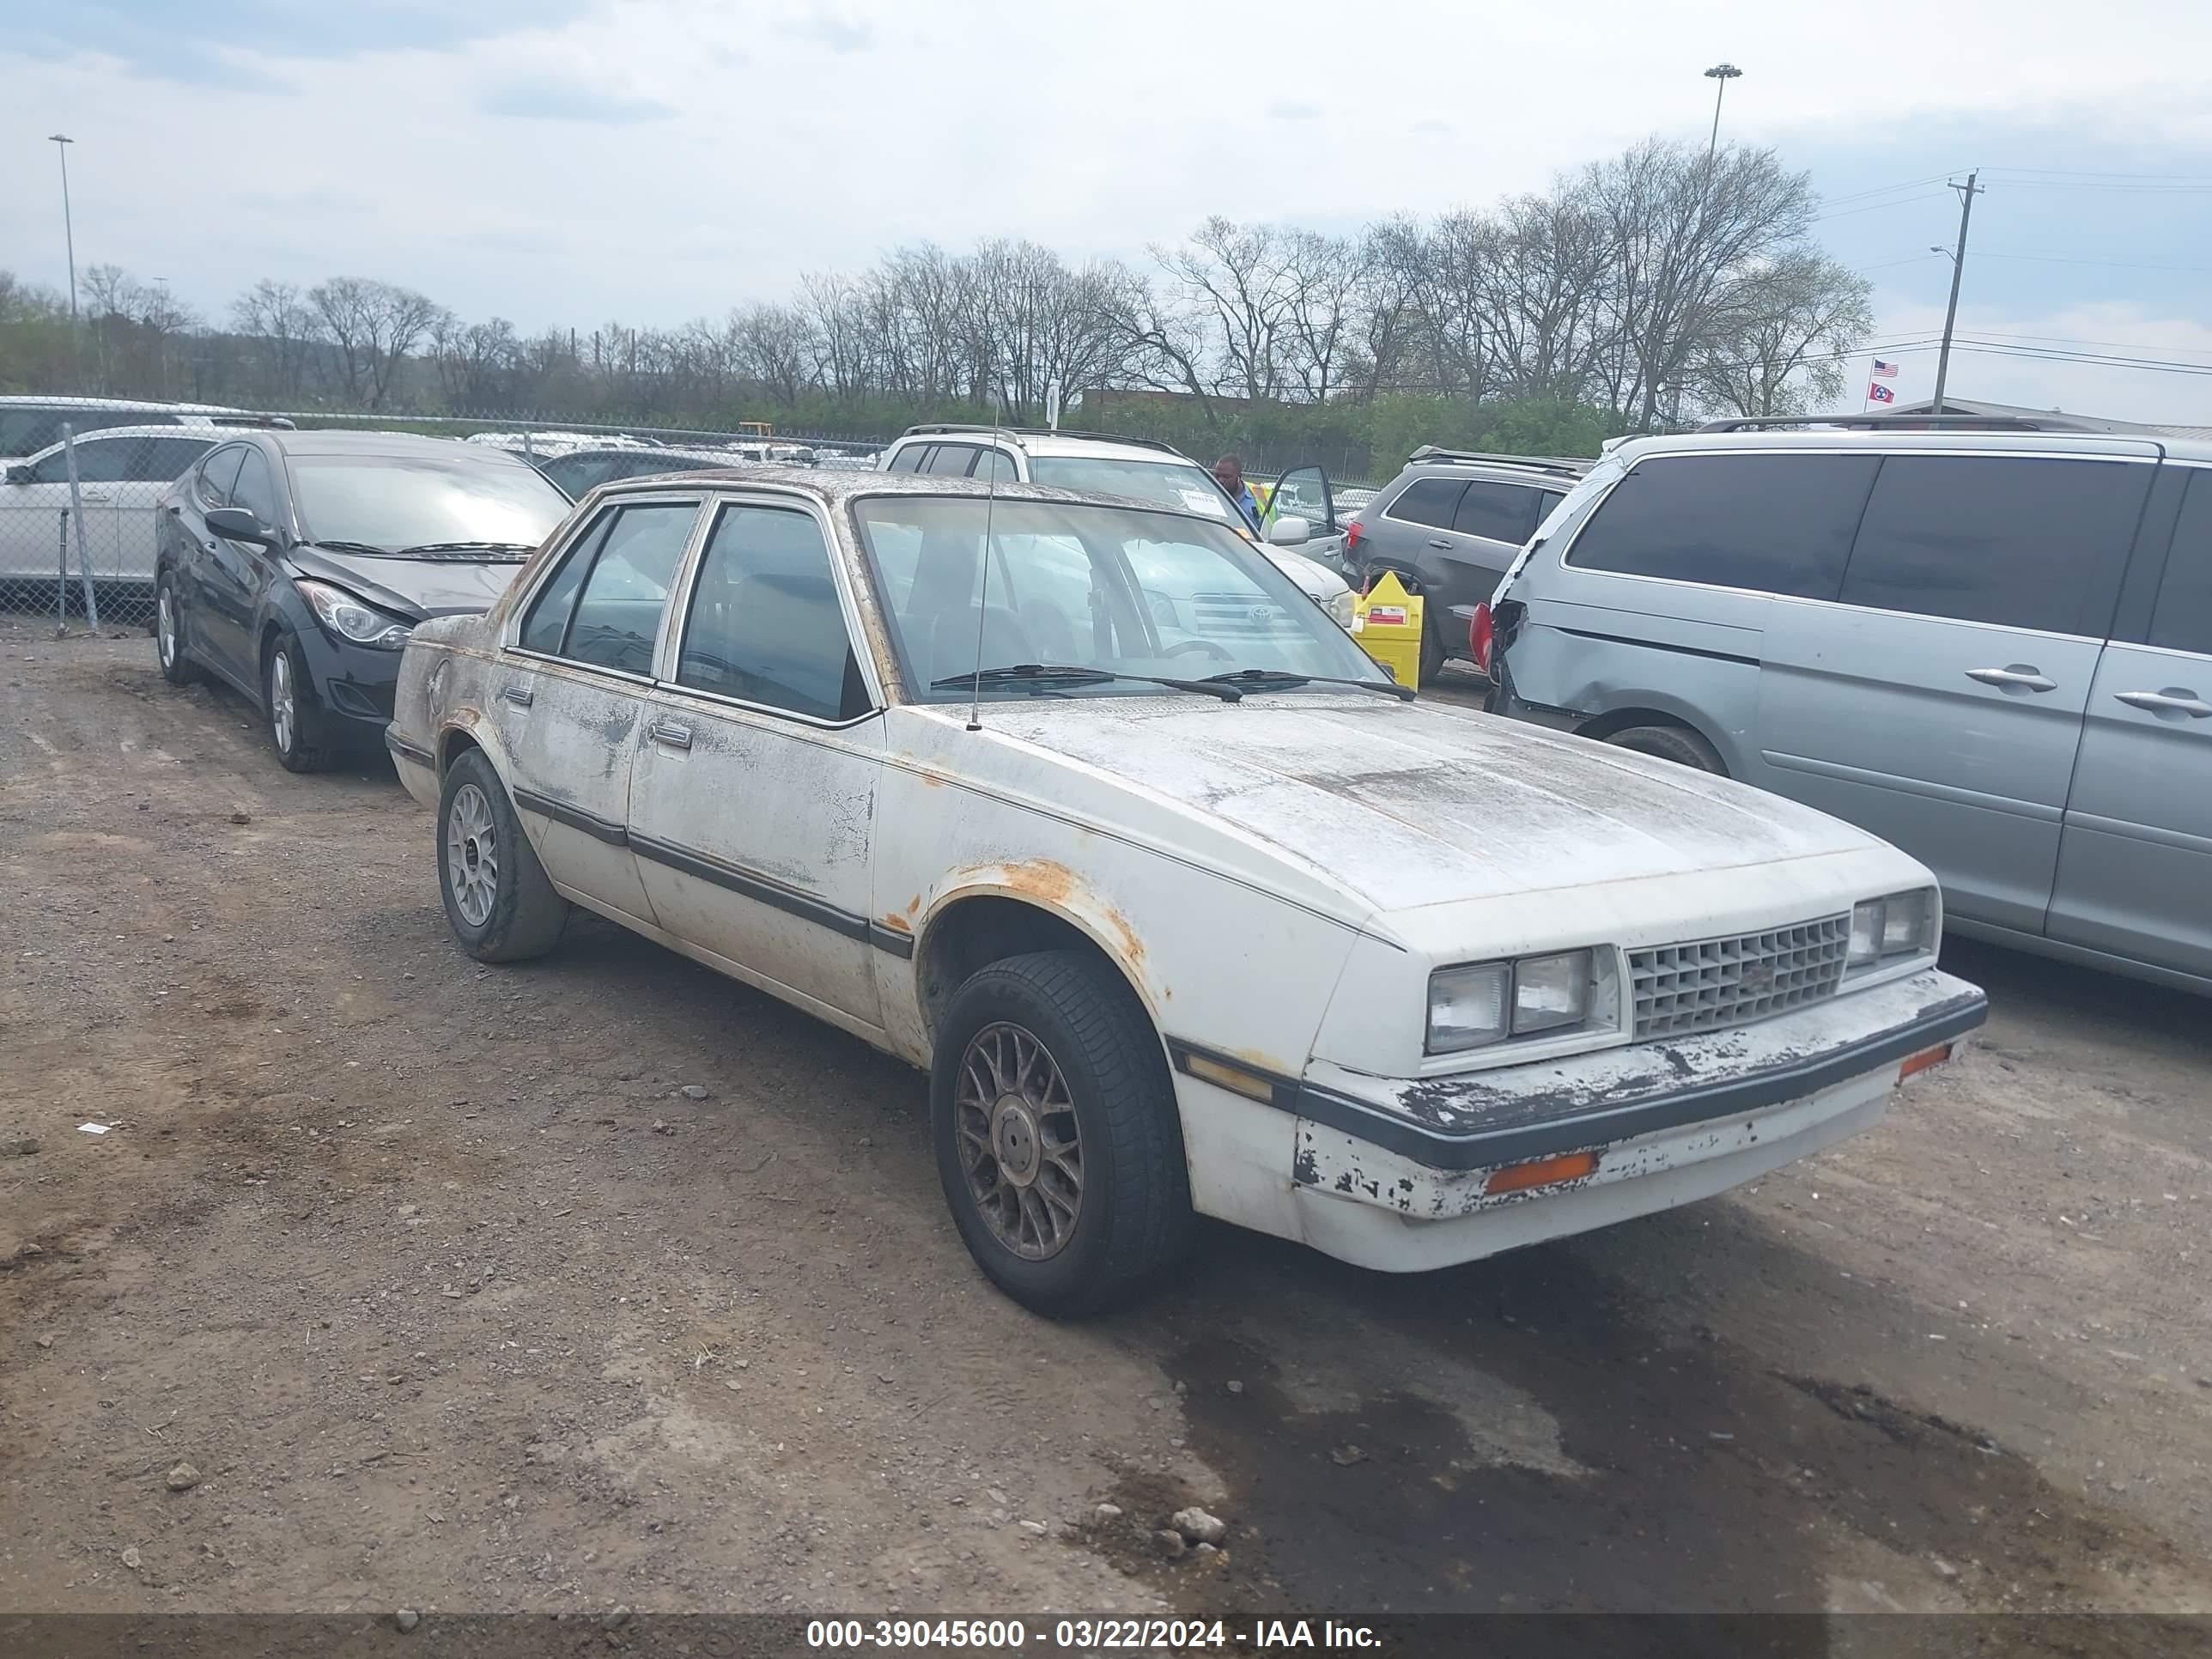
(1290, 531)
(21, 474)
(236, 524)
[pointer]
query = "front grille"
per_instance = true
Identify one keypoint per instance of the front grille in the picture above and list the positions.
(1733, 981)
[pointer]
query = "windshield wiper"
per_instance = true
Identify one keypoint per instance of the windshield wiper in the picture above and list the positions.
(1048, 674)
(1278, 677)
(354, 547)
(516, 548)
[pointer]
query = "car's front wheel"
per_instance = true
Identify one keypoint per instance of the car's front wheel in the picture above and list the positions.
(1057, 1136)
(177, 667)
(499, 901)
(293, 722)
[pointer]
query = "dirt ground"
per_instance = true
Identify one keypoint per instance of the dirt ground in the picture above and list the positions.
(452, 1296)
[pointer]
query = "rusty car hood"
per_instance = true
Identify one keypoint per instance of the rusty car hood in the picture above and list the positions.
(1412, 803)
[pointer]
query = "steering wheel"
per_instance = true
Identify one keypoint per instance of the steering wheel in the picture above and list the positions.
(1184, 648)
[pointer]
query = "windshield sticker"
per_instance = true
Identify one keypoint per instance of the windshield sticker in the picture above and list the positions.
(1199, 500)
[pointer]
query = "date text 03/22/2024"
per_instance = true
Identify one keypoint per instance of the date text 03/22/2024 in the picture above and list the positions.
(1090, 1635)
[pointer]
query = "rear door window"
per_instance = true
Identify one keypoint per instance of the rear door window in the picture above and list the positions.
(1427, 501)
(908, 460)
(953, 460)
(1772, 522)
(1496, 512)
(603, 605)
(2018, 541)
(2182, 620)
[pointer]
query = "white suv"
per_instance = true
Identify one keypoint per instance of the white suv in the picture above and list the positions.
(1136, 468)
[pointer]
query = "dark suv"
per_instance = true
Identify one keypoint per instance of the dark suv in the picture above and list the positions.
(1449, 525)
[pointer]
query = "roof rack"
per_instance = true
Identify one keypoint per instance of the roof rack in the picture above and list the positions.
(265, 423)
(940, 428)
(1572, 465)
(1873, 420)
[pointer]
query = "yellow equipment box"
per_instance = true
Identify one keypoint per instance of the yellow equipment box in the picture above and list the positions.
(1387, 621)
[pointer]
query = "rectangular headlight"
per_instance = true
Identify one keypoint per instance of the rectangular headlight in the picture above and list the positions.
(1550, 992)
(1899, 925)
(1467, 1007)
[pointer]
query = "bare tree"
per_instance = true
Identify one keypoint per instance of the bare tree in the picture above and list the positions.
(1325, 291)
(774, 349)
(1235, 285)
(288, 328)
(374, 326)
(1779, 344)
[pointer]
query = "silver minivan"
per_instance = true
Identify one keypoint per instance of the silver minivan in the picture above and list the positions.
(1993, 649)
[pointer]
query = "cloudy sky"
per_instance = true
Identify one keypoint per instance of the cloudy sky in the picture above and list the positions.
(572, 162)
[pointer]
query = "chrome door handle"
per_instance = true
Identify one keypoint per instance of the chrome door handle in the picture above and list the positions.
(520, 695)
(1439, 542)
(2174, 700)
(676, 737)
(2018, 676)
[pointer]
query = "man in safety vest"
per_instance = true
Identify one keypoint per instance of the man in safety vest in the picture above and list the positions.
(1228, 473)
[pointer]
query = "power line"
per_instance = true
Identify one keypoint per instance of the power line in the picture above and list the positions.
(1884, 190)
(2068, 339)
(1904, 201)
(2115, 264)
(2079, 172)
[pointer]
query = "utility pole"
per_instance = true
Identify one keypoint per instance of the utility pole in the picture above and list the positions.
(1968, 192)
(61, 141)
(1720, 74)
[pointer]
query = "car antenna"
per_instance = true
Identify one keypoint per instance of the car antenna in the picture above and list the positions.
(983, 594)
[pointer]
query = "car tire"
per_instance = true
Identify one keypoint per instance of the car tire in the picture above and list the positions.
(499, 901)
(1064, 1048)
(1670, 742)
(294, 726)
(1432, 648)
(177, 665)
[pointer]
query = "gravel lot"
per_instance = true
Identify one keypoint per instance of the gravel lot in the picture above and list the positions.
(604, 1280)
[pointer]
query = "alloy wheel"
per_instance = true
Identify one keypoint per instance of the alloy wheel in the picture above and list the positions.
(1020, 1147)
(472, 854)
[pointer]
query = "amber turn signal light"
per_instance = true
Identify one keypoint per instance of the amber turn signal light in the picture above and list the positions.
(1541, 1172)
(1923, 1060)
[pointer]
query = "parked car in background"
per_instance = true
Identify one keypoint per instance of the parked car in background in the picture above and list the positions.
(29, 425)
(292, 565)
(1993, 649)
(580, 471)
(1138, 469)
(1449, 525)
(1159, 955)
(121, 472)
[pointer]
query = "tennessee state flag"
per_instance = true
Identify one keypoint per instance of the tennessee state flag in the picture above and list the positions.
(1877, 392)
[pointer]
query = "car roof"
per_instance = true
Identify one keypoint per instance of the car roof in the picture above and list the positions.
(1851, 438)
(19, 400)
(1102, 446)
(1560, 470)
(210, 435)
(833, 487)
(391, 444)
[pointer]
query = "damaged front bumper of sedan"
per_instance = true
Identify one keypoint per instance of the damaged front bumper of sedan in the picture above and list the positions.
(1406, 1175)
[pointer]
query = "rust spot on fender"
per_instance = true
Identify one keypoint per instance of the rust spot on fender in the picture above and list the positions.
(896, 920)
(1046, 880)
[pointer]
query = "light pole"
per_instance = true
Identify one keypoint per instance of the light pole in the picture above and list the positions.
(61, 141)
(1720, 74)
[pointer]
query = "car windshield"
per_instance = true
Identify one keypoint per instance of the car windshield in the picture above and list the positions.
(1184, 485)
(398, 501)
(1125, 590)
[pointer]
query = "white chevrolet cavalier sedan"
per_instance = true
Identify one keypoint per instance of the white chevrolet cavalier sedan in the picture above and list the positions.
(1184, 910)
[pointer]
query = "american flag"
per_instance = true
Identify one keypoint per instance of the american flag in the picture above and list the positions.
(1880, 394)
(1883, 371)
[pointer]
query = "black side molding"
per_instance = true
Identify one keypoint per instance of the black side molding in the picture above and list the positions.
(408, 751)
